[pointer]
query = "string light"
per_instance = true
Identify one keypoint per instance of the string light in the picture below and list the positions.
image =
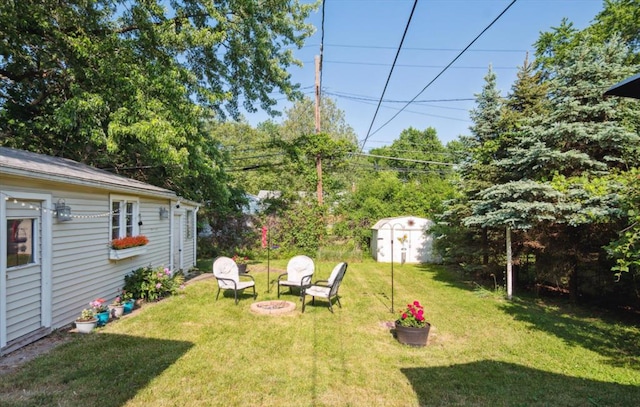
(52, 211)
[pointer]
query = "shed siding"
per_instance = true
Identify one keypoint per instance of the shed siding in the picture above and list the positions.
(418, 247)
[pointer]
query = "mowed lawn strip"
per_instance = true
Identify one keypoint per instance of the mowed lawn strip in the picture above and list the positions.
(191, 350)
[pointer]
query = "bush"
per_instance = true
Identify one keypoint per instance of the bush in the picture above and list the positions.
(150, 284)
(341, 251)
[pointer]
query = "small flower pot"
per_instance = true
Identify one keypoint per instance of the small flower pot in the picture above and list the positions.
(242, 268)
(103, 318)
(85, 327)
(128, 306)
(116, 311)
(412, 336)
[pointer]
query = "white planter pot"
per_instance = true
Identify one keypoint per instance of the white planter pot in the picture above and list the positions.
(116, 311)
(126, 253)
(86, 327)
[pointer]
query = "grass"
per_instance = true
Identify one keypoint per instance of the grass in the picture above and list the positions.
(190, 350)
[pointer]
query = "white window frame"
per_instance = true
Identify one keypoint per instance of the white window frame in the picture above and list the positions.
(122, 201)
(35, 239)
(189, 224)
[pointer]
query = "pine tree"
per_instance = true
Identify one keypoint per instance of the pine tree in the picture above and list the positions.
(573, 149)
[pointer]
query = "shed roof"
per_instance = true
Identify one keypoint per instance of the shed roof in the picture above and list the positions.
(48, 168)
(407, 222)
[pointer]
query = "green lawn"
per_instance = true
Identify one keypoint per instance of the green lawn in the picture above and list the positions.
(190, 350)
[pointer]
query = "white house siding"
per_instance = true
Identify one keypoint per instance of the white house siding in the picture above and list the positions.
(25, 300)
(189, 241)
(81, 268)
(81, 264)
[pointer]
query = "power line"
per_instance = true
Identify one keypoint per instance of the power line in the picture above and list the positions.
(321, 45)
(443, 70)
(416, 48)
(377, 168)
(420, 66)
(415, 3)
(420, 113)
(424, 49)
(371, 99)
(403, 159)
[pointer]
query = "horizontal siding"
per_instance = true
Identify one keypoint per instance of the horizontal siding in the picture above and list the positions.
(81, 268)
(83, 271)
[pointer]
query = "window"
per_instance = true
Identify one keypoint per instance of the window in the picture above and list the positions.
(189, 228)
(124, 217)
(20, 242)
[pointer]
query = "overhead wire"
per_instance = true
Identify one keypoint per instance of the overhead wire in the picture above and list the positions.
(441, 72)
(321, 46)
(406, 29)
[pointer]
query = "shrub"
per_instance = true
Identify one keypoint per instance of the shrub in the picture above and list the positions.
(150, 283)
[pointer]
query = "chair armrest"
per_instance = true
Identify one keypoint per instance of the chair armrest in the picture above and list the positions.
(282, 275)
(228, 279)
(323, 283)
(306, 280)
(247, 275)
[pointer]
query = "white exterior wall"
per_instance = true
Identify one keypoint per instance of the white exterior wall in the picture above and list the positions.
(80, 267)
(189, 237)
(418, 247)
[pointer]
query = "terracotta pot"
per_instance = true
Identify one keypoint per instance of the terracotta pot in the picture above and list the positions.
(412, 336)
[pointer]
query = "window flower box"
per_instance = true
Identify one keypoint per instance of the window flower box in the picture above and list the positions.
(127, 246)
(126, 253)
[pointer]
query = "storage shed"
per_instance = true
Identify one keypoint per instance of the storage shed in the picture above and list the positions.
(58, 218)
(407, 237)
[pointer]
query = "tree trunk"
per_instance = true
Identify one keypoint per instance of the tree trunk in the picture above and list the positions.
(509, 266)
(485, 246)
(573, 279)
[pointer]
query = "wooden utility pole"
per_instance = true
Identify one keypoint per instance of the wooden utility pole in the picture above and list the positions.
(318, 156)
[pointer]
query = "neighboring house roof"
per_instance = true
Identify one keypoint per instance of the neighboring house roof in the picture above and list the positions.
(263, 194)
(48, 168)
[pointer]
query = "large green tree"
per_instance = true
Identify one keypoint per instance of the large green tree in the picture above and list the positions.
(127, 85)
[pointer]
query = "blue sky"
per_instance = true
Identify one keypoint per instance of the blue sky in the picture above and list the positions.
(361, 38)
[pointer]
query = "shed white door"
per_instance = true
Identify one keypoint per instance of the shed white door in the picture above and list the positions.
(26, 301)
(178, 241)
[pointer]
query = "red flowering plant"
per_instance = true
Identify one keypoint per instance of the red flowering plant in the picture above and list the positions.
(129, 241)
(240, 259)
(413, 316)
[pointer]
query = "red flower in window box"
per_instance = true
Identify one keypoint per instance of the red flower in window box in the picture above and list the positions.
(129, 241)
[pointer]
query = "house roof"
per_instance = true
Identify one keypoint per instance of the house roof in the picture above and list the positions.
(48, 168)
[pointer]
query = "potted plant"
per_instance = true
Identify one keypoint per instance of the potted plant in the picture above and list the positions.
(128, 242)
(241, 261)
(127, 301)
(116, 308)
(412, 328)
(86, 322)
(100, 310)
